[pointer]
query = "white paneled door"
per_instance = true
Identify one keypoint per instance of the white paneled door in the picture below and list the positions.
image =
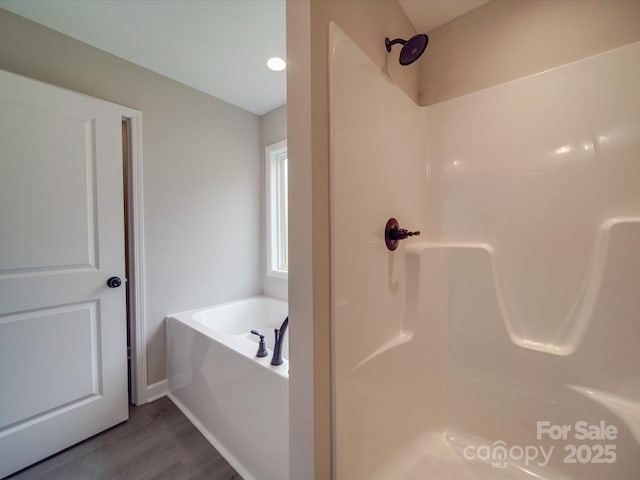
(63, 360)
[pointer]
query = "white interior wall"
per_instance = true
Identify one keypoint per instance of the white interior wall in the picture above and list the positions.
(273, 128)
(202, 179)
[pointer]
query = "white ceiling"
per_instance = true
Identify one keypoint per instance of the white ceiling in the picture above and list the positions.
(217, 46)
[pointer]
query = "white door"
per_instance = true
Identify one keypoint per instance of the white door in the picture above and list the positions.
(63, 361)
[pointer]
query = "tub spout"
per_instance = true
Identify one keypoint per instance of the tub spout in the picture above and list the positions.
(277, 347)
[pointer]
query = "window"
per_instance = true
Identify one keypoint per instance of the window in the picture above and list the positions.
(277, 210)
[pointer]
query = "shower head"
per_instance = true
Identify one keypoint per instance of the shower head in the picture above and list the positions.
(411, 49)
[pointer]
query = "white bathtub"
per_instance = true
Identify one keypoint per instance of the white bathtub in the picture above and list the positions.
(239, 402)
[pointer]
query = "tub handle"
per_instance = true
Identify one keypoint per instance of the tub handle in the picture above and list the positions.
(262, 349)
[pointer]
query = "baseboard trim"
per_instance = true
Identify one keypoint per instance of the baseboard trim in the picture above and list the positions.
(156, 390)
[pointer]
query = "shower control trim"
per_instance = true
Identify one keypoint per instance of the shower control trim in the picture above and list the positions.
(393, 234)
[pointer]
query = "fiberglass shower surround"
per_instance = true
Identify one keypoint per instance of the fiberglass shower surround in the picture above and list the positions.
(515, 313)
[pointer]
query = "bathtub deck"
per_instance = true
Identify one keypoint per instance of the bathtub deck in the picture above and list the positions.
(156, 443)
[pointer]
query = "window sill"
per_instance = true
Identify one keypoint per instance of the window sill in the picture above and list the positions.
(281, 274)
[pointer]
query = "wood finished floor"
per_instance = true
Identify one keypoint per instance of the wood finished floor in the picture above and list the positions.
(156, 443)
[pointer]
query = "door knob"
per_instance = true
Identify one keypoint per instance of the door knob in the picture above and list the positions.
(393, 233)
(114, 282)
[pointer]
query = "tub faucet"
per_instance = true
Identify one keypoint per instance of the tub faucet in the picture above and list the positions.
(277, 347)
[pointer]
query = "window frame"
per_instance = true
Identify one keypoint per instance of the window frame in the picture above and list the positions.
(276, 218)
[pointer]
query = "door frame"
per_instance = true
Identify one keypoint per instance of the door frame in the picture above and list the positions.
(136, 307)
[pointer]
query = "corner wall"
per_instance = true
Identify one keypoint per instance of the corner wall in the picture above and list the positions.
(504, 40)
(201, 173)
(368, 23)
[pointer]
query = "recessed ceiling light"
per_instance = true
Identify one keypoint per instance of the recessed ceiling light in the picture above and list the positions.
(276, 64)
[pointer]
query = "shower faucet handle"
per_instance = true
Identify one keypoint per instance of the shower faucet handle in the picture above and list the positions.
(393, 233)
(262, 348)
(402, 233)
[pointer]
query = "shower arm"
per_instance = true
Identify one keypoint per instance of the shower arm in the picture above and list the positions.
(391, 43)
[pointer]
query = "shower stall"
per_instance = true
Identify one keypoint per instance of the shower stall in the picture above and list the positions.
(501, 343)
